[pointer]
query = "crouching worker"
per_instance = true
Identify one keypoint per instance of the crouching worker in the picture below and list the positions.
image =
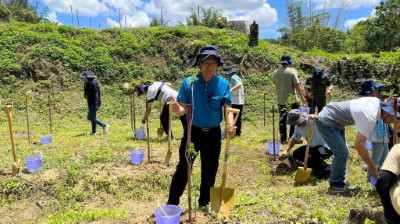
(159, 91)
(388, 186)
(319, 150)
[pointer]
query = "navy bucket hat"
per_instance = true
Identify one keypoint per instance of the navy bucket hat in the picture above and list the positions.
(86, 75)
(141, 88)
(228, 70)
(388, 107)
(369, 86)
(287, 59)
(207, 51)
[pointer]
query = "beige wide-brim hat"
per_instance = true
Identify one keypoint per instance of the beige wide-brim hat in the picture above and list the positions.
(395, 196)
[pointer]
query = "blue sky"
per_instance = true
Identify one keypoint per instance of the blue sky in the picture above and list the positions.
(269, 14)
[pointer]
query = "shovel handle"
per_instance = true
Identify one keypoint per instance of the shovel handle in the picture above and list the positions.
(309, 138)
(228, 139)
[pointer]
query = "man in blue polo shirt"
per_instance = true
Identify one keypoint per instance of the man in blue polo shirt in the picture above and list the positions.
(206, 93)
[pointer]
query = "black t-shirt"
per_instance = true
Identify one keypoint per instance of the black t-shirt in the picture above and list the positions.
(317, 86)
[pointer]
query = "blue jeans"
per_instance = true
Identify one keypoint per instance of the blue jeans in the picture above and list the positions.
(336, 140)
(379, 152)
(92, 118)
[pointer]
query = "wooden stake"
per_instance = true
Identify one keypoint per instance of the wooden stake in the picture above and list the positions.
(27, 117)
(51, 121)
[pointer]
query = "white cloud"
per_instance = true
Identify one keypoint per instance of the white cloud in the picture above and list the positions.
(139, 20)
(350, 4)
(140, 12)
(352, 22)
(111, 22)
(85, 7)
(52, 17)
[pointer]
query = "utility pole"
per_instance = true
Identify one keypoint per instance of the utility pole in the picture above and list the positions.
(77, 17)
(119, 16)
(161, 18)
(72, 15)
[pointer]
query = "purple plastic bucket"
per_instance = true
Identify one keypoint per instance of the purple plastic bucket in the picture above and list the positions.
(270, 147)
(168, 214)
(34, 161)
(368, 145)
(305, 109)
(46, 140)
(137, 156)
(139, 134)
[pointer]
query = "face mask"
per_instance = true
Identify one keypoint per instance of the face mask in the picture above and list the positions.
(380, 129)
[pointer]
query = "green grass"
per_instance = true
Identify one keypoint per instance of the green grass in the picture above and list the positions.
(90, 179)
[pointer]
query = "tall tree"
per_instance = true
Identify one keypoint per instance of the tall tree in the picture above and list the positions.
(382, 30)
(209, 18)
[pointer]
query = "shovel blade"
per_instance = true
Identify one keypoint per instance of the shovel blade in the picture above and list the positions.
(222, 201)
(168, 157)
(302, 175)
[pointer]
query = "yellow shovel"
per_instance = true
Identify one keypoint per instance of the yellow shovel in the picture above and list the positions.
(303, 173)
(16, 165)
(222, 199)
(169, 152)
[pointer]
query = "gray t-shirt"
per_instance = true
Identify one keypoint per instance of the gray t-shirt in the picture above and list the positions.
(336, 114)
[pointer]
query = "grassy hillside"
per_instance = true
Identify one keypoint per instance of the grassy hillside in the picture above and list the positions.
(90, 179)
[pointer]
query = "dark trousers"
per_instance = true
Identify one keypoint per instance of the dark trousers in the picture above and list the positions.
(208, 143)
(93, 119)
(283, 111)
(315, 159)
(238, 123)
(319, 104)
(384, 182)
(164, 119)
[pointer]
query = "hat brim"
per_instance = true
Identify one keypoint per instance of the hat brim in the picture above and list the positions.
(86, 77)
(219, 60)
(286, 62)
(228, 73)
(388, 108)
(302, 117)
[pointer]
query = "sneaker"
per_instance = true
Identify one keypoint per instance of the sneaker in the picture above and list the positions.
(343, 187)
(92, 133)
(105, 128)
